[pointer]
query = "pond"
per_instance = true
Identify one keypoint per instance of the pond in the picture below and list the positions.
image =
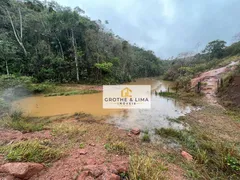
(162, 108)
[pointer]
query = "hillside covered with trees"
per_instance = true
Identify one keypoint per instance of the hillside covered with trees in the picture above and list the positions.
(188, 65)
(59, 44)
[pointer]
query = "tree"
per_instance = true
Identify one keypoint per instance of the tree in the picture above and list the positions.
(215, 48)
(18, 35)
(55, 43)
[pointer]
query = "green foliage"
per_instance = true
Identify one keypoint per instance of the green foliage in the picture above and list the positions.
(106, 67)
(208, 152)
(233, 163)
(68, 45)
(31, 151)
(168, 132)
(168, 94)
(215, 48)
(12, 81)
(69, 93)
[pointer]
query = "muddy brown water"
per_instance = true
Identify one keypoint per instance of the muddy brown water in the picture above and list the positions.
(162, 108)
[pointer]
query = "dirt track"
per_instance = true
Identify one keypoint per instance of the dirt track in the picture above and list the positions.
(210, 81)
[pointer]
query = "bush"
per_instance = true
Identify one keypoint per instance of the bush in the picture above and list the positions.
(12, 81)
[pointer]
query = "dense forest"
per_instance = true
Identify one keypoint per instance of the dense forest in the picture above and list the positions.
(59, 44)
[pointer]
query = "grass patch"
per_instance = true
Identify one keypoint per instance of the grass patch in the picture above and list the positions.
(168, 132)
(117, 147)
(145, 167)
(31, 151)
(4, 107)
(69, 130)
(146, 137)
(215, 159)
(24, 124)
(176, 120)
(81, 145)
(168, 94)
(233, 114)
(70, 93)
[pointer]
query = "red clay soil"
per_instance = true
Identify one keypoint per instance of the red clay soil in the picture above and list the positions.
(10, 136)
(92, 162)
(210, 80)
(231, 96)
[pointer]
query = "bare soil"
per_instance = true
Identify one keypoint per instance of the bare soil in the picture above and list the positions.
(231, 95)
(210, 81)
(93, 161)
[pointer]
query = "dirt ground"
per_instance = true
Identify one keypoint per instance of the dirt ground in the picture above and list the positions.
(231, 95)
(92, 161)
(210, 81)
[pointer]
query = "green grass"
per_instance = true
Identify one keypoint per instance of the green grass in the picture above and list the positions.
(177, 120)
(214, 158)
(70, 93)
(168, 94)
(31, 151)
(24, 124)
(117, 147)
(168, 132)
(81, 145)
(68, 130)
(146, 137)
(146, 167)
(233, 114)
(4, 107)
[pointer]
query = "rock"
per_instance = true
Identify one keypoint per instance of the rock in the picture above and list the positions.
(121, 167)
(83, 175)
(91, 162)
(129, 134)
(109, 176)
(135, 131)
(92, 144)
(9, 177)
(82, 152)
(94, 170)
(114, 177)
(187, 156)
(21, 170)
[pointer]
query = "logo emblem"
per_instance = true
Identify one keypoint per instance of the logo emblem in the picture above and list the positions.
(126, 93)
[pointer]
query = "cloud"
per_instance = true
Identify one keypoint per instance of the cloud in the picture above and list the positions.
(168, 27)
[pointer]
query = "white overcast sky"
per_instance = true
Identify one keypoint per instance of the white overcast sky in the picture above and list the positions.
(167, 27)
